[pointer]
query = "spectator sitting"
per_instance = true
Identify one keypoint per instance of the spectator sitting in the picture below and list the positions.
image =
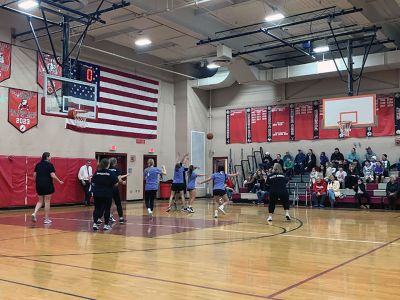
(336, 157)
(299, 162)
(352, 177)
(385, 165)
(341, 176)
(323, 159)
(262, 191)
(369, 153)
(368, 172)
(373, 162)
(249, 183)
(353, 155)
(286, 156)
(333, 189)
(361, 192)
(322, 171)
(329, 170)
(288, 166)
(358, 167)
(255, 181)
(345, 165)
(266, 161)
(278, 160)
(378, 172)
(392, 192)
(313, 175)
(311, 160)
(398, 167)
(319, 192)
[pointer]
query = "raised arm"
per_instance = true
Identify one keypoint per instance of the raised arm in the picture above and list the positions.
(205, 181)
(163, 170)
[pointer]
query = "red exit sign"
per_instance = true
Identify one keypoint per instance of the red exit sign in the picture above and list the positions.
(152, 150)
(140, 141)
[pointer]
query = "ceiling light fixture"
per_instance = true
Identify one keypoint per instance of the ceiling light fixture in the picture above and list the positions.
(28, 4)
(213, 65)
(142, 42)
(274, 17)
(321, 49)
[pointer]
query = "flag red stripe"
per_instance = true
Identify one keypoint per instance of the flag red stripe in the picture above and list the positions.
(126, 114)
(127, 104)
(112, 132)
(128, 95)
(129, 75)
(129, 85)
(125, 124)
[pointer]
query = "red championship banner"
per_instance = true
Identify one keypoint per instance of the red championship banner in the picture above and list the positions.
(257, 125)
(304, 121)
(22, 109)
(280, 123)
(236, 126)
(385, 117)
(54, 69)
(5, 61)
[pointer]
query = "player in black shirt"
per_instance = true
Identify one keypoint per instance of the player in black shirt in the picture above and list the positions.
(44, 175)
(117, 199)
(277, 190)
(103, 185)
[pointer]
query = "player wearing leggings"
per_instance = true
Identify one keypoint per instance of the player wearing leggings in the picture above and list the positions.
(191, 186)
(277, 182)
(219, 192)
(103, 184)
(116, 197)
(151, 174)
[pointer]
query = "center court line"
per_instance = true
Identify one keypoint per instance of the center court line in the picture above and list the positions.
(290, 287)
(46, 289)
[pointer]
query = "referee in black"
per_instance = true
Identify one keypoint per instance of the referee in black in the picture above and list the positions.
(277, 190)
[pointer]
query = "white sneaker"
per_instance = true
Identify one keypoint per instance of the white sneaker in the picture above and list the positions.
(47, 221)
(33, 216)
(106, 227)
(269, 219)
(112, 219)
(149, 212)
(95, 226)
(288, 218)
(221, 208)
(216, 213)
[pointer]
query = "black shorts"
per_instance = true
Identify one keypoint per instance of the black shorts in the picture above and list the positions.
(189, 190)
(219, 193)
(44, 189)
(178, 187)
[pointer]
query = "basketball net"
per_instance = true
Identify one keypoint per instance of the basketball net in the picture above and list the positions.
(79, 116)
(345, 128)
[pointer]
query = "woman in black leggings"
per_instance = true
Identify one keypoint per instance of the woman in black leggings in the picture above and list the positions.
(277, 190)
(117, 199)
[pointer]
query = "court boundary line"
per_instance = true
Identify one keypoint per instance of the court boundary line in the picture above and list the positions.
(333, 239)
(290, 287)
(46, 289)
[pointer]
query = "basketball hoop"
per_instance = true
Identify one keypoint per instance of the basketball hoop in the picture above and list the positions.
(345, 128)
(79, 115)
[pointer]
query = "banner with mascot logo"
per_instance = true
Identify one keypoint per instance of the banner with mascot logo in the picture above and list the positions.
(5, 61)
(22, 109)
(54, 69)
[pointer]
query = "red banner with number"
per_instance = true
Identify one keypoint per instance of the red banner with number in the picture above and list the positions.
(236, 126)
(5, 61)
(385, 115)
(304, 121)
(53, 68)
(258, 125)
(22, 109)
(280, 123)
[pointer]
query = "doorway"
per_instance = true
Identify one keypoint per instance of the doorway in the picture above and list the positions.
(121, 164)
(220, 161)
(146, 157)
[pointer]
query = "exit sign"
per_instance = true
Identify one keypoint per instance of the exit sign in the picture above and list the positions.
(140, 141)
(152, 150)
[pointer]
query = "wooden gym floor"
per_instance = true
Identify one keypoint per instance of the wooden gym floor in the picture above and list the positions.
(321, 254)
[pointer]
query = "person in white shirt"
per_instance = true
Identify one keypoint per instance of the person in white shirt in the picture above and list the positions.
(85, 177)
(341, 176)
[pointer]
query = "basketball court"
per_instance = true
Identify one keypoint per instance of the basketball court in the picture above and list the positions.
(228, 82)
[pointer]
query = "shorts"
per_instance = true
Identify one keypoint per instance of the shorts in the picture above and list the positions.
(178, 187)
(219, 193)
(44, 189)
(189, 189)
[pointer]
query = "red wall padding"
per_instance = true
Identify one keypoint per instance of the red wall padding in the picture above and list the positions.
(17, 183)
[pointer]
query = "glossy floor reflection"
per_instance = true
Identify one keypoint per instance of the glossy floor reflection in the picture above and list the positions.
(320, 254)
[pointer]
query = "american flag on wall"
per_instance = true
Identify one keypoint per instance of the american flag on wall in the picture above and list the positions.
(126, 104)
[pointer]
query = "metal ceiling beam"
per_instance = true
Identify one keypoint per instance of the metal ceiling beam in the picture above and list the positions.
(334, 50)
(364, 29)
(29, 15)
(288, 44)
(321, 17)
